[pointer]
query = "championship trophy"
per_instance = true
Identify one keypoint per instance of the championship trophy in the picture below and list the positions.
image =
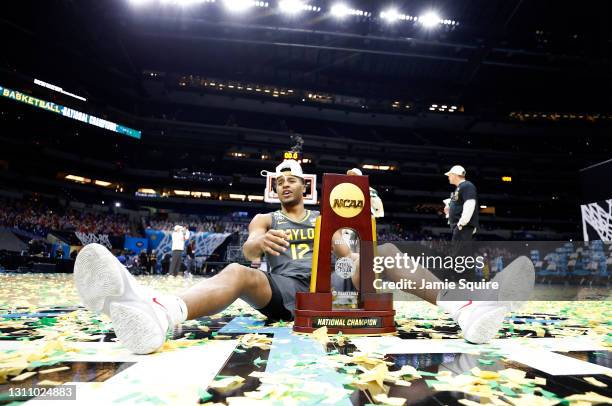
(345, 204)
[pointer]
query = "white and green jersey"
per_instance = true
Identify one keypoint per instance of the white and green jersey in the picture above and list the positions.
(296, 262)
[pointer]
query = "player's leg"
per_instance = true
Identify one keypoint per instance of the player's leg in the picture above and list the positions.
(419, 275)
(480, 316)
(234, 281)
(141, 317)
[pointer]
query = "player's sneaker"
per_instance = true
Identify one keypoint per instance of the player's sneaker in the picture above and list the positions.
(516, 282)
(482, 318)
(141, 318)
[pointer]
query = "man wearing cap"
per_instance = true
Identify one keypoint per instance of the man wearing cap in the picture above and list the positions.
(179, 236)
(461, 210)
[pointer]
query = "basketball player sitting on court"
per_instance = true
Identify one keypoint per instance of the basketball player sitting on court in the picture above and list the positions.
(141, 317)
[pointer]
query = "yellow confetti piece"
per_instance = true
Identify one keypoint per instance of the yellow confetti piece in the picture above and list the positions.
(229, 383)
(595, 382)
(468, 402)
(48, 382)
(23, 377)
(49, 371)
(246, 401)
(484, 374)
(385, 400)
(591, 397)
(255, 340)
(320, 335)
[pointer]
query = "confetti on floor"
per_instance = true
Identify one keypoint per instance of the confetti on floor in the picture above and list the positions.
(547, 353)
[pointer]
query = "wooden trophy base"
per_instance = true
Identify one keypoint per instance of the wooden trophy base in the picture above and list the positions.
(314, 310)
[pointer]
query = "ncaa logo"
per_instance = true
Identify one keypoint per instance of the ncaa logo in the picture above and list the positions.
(346, 200)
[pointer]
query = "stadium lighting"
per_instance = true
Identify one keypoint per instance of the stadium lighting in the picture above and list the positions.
(340, 10)
(117, 204)
(184, 3)
(291, 6)
(139, 2)
(391, 15)
(102, 183)
(430, 19)
(237, 6)
(78, 179)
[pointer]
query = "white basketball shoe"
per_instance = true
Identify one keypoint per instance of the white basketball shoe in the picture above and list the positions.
(141, 318)
(481, 319)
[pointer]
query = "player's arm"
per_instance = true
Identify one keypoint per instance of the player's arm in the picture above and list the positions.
(262, 239)
(341, 248)
(468, 194)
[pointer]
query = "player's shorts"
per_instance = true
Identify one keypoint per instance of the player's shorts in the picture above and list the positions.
(284, 288)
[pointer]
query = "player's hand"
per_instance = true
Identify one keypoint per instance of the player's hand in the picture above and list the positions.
(446, 210)
(274, 242)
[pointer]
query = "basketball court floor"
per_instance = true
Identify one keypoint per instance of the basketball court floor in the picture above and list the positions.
(548, 353)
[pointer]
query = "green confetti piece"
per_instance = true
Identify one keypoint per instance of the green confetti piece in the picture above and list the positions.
(486, 361)
(259, 362)
(547, 394)
(38, 364)
(425, 373)
(507, 391)
(430, 382)
(128, 397)
(204, 395)
(527, 389)
(239, 351)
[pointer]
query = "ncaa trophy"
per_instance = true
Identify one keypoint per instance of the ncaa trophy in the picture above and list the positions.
(345, 204)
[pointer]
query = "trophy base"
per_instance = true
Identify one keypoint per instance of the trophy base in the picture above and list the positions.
(314, 310)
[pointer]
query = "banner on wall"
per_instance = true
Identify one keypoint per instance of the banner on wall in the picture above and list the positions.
(90, 238)
(205, 243)
(135, 244)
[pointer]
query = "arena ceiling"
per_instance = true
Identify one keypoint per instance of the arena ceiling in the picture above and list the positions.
(493, 57)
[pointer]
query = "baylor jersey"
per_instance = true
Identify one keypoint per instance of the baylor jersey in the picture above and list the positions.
(296, 261)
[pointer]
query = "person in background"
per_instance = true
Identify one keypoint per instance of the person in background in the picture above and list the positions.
(143, 261)
(190, 252)
(153, 262)
(165, 264)
(462, 208)
(179, 236)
